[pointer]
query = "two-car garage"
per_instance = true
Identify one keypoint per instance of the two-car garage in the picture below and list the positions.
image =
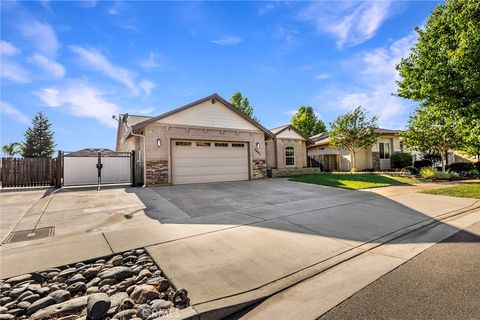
(208, 161)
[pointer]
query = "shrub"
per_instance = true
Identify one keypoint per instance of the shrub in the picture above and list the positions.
(401, 159)
(477, 165)
(443, 175)
(419, 164)
(411, 169)
(354, 170)
(429, 173)
(461, 167)
(474, 173)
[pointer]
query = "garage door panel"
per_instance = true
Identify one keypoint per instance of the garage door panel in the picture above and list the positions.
(197, 164)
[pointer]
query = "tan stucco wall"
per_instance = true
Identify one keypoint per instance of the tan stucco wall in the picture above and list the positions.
(168, 133)
(300, 151)
(270, 153)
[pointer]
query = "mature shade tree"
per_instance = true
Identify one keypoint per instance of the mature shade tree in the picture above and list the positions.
(442, 71)
(353, 131)
(243, 104)
(39, 141)
(429, 133)
(12, 149)
(307, 122)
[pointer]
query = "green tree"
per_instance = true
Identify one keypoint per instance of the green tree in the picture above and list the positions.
(429, 133)
(353, 131)
(12, 149)
(307, 122)
(442, 71)
(243, 104)
(39, 141)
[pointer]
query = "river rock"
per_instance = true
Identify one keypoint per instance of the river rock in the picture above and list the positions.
(159, 304)
(118, 273)
(116, 260)
(61, 309)
(60, 295)
(31, 298)
(40, 304)
(118, 298)
(125, 314)
(76, 278)
(144, 293)
(7, 316)
(97, 306)
(77, 287)
(18, 279)
(159, 282)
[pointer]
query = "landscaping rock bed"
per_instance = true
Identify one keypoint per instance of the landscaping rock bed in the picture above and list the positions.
(123, 286)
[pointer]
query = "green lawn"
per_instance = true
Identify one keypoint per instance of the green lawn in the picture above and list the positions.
(464, 191)
(352, 181)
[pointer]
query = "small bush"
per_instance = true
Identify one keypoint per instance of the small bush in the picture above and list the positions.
(354, 170)
(477, 165)
(461, 167)
(411, 169)
(474, 173)
(401, 160)
(419, 164)
(443, 175)
(429, 173)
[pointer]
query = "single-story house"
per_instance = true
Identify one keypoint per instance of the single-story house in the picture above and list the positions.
(376, 157)
(208, 140)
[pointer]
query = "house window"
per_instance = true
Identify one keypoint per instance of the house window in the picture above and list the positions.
(384, 150)
(238, 145)
(289, 156)
(221, 144)
(203, 144)
(183, 143)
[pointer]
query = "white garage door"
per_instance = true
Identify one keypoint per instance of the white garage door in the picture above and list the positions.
(208, 161)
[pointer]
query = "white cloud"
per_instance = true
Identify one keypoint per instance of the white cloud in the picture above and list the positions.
(322, 76)
(377, 74)
(351, 23)
(151, 62)
(8, 49)
(12, 112)
(53, 68)
(97, 61)
(146, 86)
(83, 100)
(146, 111)
(14, 72)
(227, 41)
(117, 8)
(42, 36)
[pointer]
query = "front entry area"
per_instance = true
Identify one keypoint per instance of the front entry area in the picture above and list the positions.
(209, 161)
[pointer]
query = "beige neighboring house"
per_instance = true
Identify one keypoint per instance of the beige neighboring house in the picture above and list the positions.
(208, 140)
(376, 157)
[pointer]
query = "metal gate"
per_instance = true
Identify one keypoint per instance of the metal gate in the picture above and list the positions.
(110, 168)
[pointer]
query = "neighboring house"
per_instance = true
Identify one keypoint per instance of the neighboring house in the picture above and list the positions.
(208, 140)
(376, 157)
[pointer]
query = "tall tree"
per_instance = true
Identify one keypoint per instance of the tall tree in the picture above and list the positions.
(442, 71)
(429, 132)
(39, 141)
(307, 122)
(12, 149)
(243, 104)
(353, 131)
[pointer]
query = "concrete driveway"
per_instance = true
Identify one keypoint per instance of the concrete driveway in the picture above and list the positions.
(229, 243)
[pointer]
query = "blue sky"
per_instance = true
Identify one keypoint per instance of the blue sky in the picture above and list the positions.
(81, 62)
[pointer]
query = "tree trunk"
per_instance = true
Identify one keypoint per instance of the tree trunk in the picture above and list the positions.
(354, 160)
(443, 155)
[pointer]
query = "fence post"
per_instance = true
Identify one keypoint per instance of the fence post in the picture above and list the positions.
(58, 180)
(132, 169)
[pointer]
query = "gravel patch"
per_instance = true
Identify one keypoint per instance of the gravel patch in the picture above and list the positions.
(123, 286)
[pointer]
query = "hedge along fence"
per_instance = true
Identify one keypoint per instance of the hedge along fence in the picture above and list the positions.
(386, 173)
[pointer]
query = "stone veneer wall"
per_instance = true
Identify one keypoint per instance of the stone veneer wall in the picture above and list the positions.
(157, 172)
(259, 169)
(376, 161)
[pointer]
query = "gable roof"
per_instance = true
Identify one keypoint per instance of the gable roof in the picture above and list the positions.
(322, 138)
(278, 130)
(212, 96)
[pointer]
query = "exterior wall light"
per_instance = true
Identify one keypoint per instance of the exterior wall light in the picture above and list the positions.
(159, 142)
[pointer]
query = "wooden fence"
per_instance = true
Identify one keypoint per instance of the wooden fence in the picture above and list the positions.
(28, 172)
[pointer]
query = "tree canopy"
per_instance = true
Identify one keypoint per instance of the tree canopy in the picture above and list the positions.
(243, 104)
(442, 71)
(12, 149)
(39, 141)
(353, 131)
(307, 122)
